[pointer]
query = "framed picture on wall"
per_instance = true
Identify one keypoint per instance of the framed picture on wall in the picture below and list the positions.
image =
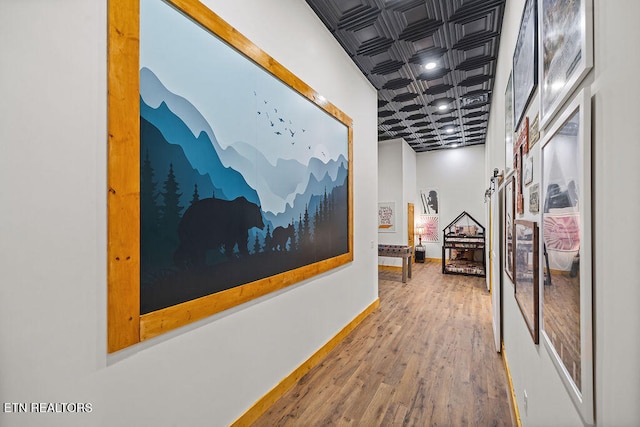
(429, 201)
(509, 212)
(566, 51)
(526, 274)
(387, 217)
(508, 125)
(525, 61)
(567, 323)
(430, 224)
(199, 219)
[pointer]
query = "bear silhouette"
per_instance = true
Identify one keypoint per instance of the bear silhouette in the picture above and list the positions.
(280, 237)
(214, 223)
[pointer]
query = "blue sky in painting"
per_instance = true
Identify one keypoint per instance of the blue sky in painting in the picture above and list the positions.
(244, 105)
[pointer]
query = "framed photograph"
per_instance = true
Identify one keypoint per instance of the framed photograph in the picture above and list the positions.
(429, 201)
(200, 220)
(528, 170)
(525, 61)
(508, 125)
(566, 51)
(534, 198)
(567, 327)
(509, 211)
(521, 148)
(387, 217)
(526, 274)
(534, 131)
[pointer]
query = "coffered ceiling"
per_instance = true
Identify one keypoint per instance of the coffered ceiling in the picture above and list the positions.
(392, 41)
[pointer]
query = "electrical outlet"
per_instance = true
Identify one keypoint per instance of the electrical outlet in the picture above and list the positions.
(526, 401)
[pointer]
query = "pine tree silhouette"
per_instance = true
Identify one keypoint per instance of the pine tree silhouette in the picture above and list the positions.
(267, 239)
(293, 245)
(256, 245)
(306, 229)
(196, 196)
(149, 214)
(149, 211)
(300, 234)
(170, 211)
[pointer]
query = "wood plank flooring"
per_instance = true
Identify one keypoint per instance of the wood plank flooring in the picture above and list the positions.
(424, 358)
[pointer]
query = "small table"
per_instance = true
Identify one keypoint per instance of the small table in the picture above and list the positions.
(398, 251)
(420, 253)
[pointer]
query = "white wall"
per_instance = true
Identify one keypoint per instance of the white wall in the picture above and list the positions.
(458, 174)
(616, 290)
(53, 226)
(396, 169)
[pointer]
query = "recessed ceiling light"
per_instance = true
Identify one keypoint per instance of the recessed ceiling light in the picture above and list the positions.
(454, 145)
(430, 65)
(443, 107)
(449, 130)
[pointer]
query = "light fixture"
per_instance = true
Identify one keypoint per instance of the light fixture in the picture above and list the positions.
(443, 107)
(420, 232)
(454, 145)
(449, 130)
(430, 65)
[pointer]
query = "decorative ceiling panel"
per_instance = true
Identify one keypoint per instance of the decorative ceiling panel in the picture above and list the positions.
(391, 41)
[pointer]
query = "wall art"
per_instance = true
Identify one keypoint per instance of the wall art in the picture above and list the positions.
(387, 217)
(508, 125)
(229, 178)
(528, 170)
(525, 61)
(567, 328)
(534, 198)
(431, 227)
(429, 201)
(566, 51)
(526, 274)
(509, 212)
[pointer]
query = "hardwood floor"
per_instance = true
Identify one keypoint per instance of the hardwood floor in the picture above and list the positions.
(424, 358)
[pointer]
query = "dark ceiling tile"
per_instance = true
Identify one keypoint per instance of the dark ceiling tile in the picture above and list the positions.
(420, 29)
(412, 107)
(358, 17)
(385, 113)
(404, 97)
(435, 90)
(418, 116)
(397, 83)
(387, 67)
(390, 41)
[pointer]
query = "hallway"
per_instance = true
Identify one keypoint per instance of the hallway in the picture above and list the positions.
(425, 357)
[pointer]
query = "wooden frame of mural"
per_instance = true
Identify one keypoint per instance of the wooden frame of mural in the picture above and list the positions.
(190, 230)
